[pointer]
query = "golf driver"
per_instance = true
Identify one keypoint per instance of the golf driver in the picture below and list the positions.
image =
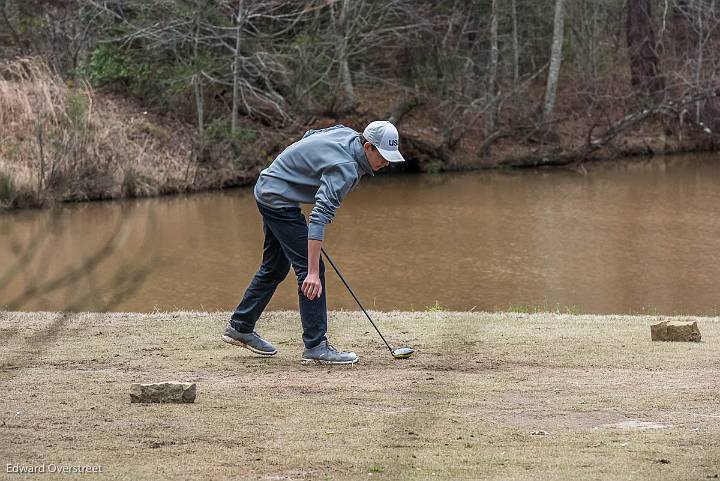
(399, 353)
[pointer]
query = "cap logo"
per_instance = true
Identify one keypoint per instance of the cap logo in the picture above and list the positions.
(392, 142)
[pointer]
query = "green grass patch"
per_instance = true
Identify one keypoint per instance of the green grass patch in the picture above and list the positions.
(435, 307)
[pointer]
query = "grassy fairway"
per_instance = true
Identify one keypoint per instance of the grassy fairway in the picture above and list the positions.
(488, 396)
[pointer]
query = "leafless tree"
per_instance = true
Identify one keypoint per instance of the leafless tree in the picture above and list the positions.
(515, 44)
(644, 61)
(587, 34)
(237, 65)
(555, 62)
(696, 39)
(491, 108)
(340, 26)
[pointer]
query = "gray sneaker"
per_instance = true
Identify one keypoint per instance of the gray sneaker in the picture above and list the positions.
(324, 353)
(249, 340)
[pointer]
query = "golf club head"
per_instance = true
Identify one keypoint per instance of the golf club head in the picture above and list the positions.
(403, 352)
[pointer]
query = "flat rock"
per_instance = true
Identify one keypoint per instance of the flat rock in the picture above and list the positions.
(163, 392)
(682, 331)
(635, 424)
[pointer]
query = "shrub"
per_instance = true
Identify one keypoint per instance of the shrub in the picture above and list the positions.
(219, 146)
(7, 190)
(61, 143)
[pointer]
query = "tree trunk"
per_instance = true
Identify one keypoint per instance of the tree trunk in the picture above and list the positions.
(197, 84)
(515, 46)
(341, 41)
(699, 60)
(236, 68)
(491, 105)
(199, 106)
(644, 68)
(555, 61)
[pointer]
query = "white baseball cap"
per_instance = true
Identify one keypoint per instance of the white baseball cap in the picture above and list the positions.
(384, 136)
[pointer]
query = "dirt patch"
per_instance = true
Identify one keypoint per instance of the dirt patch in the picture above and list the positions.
(546, 394)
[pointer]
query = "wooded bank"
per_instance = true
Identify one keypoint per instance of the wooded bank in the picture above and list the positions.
(113, 98)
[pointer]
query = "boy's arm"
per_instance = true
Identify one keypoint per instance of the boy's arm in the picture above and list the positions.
(312, 287)
(335, 184)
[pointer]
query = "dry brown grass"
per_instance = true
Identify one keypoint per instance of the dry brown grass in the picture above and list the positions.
(465, 407)
(60, 142)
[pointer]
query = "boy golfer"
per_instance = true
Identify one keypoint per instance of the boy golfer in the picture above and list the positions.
(321, 169)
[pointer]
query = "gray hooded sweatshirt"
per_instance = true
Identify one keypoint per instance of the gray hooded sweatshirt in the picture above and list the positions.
(321, 169)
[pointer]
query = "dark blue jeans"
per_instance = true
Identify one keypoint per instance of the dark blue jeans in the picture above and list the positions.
(286, 238)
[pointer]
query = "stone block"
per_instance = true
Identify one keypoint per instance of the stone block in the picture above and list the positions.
(681, 331)
(163, 392)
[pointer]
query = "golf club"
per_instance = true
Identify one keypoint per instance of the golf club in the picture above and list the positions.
(399, 353)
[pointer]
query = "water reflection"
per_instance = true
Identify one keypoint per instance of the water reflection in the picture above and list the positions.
(622, 238)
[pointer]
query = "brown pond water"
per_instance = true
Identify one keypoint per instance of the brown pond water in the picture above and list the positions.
(641, 236)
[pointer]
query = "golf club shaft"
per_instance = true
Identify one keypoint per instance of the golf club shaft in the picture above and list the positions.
(355, 297)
